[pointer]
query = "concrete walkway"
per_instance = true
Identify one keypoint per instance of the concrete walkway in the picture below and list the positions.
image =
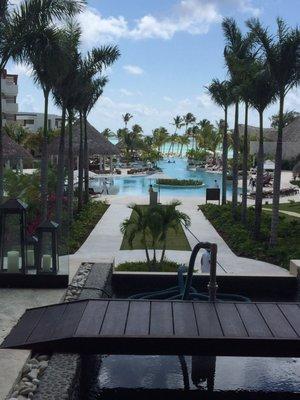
(103, 245)
(291, 213)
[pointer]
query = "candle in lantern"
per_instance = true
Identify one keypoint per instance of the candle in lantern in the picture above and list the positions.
(12, 261)
(47, 263)
(30, 258)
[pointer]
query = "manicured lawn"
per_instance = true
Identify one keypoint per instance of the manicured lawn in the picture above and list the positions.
(241, 241)
(293, 207)
(175, 240)
(166, 266)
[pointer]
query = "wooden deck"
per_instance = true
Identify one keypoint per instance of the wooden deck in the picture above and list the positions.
(161, 327)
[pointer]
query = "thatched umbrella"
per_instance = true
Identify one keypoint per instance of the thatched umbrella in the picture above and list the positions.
(296, 170)
(14, 152)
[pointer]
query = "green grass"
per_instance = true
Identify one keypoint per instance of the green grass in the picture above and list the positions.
(241, 241)
(291, 206)
(179, 182)
(175, 240)
(142, 266)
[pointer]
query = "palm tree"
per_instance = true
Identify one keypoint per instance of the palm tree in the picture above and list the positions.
(261, 93)
(16, 28)
(282, 55)
(171, 219)
(137, 224)
(237, 52)
(108, 133)
(126, 118)
(188, 120)
(221, 94)
(160, 137)
(183, 140)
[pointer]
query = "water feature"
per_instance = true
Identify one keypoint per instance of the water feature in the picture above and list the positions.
(139, 185)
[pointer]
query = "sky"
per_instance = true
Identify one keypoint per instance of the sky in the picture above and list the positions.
(170, 51)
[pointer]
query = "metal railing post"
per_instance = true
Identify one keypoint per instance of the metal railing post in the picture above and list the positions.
(212, 286)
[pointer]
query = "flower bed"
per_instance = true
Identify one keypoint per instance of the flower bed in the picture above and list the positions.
(142, 266)
(179, 182)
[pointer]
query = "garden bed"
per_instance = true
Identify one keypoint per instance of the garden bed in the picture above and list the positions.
(176, 240)
(241, 241)
(142, 266)
(190, 183)
(84, 223)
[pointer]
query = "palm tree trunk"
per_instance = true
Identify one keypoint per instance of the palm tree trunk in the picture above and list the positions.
(277, 176)
(259, 179)
(44, 160)
(146, 249)
(70, 170)
(163, 252)
(80, 166)
(86, 162)
(224, 161)
(235, 165)
(1, 145)
(61, 169)
(245, 167)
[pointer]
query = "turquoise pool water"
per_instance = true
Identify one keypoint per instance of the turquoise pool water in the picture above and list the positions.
(137, 185)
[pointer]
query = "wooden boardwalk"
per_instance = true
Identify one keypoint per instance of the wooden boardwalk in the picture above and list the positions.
(161, 327)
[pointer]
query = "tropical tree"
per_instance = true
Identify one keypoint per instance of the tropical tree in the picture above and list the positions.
(160, 137)
(237, 53)
(261, 93)
(170, 219)
(108, 133)
(288, 117)
(183, 140)
(16, 132)
(126, 118)
(177, 122)
(221, 93)
(188, 120)
(17, 25)
(282, 55)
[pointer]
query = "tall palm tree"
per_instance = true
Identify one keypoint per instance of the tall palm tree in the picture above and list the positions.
(63, 93)
(237, 52)
(188, 120)
(108, 133)
(184, 140)
(282, 55)
(160, 137)
(261, 93)
(126, 118)
(221, 93)
(16, 28)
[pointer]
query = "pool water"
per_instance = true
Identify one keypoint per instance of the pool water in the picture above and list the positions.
(122, 377)
(139, 185)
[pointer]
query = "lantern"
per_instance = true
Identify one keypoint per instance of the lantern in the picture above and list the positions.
(32, 253)
(48, 248)
(12, 236)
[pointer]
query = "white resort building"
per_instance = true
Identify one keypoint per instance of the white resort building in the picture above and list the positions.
(9, 92)
(33, 121)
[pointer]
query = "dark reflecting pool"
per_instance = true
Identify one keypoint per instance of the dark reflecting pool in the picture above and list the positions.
(172, 377)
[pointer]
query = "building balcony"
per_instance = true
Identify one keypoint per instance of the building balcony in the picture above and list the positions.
(9, 88)
(11, 108)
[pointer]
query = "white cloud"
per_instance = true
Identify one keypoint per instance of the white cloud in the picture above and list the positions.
(191, 16)
(133, 69)
(28, 104)
(126, 92)
(168, 99)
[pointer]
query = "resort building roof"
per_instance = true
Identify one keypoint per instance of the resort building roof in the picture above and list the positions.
(98, 145)
(14, 151)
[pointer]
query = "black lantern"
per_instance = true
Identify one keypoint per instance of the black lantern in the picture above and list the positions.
(12, 236)
(32, 253)
(48, 248)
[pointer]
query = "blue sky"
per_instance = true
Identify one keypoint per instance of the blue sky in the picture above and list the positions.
(170, 50)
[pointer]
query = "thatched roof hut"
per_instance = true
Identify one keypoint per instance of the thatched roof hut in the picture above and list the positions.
(98, 145)
(270, 134)
(296, 170)
(13, 151)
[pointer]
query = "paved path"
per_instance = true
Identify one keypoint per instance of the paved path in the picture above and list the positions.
(103, 245)
(291, 213)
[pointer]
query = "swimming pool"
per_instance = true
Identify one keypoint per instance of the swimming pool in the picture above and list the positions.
(139, 185)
